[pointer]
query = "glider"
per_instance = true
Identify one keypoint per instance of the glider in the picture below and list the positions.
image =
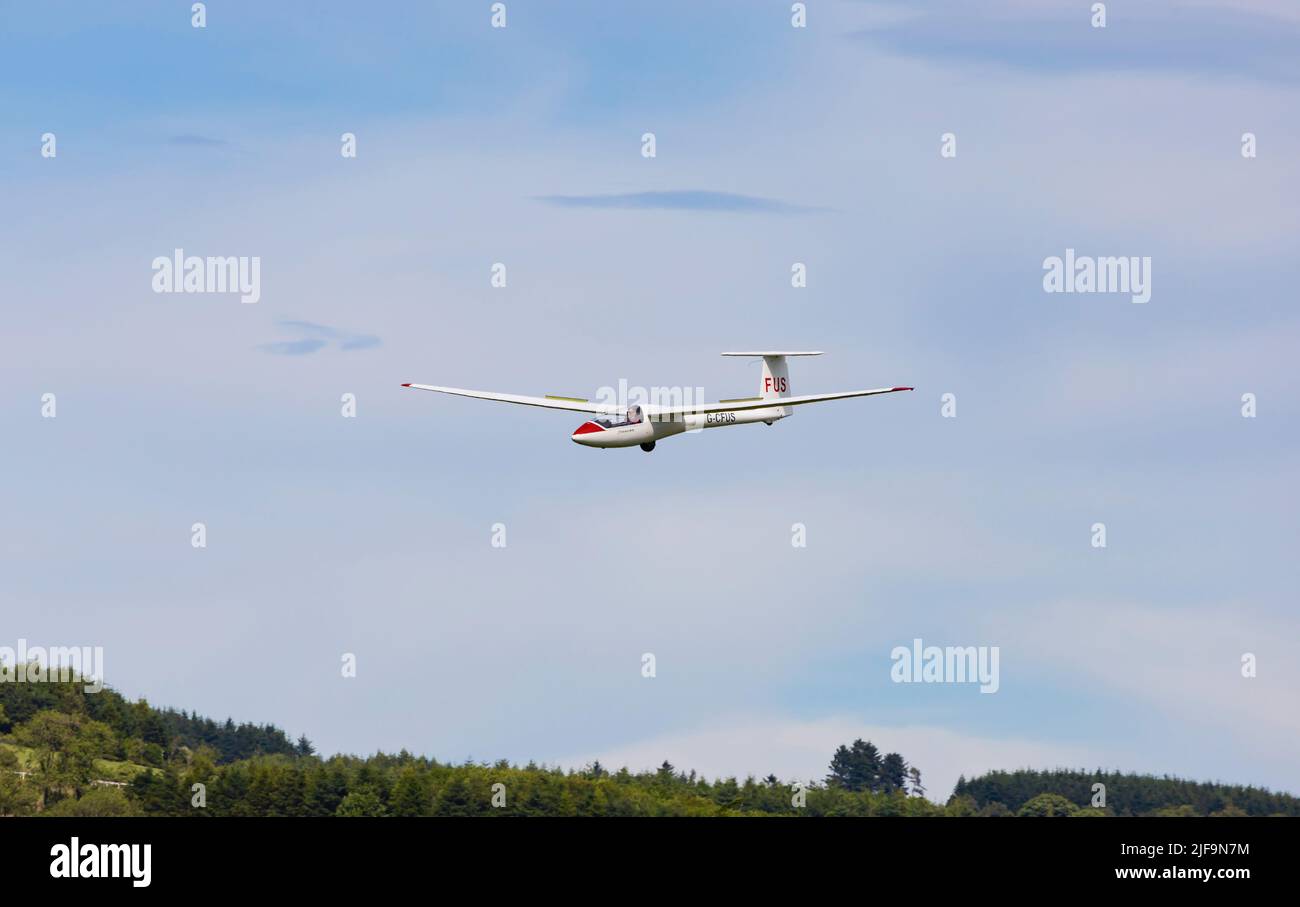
(643, 425)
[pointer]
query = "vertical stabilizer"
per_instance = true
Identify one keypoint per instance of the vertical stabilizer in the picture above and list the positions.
(774, 383)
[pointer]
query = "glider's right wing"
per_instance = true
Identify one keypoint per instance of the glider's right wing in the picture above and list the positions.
(573, 404)
(736, 406)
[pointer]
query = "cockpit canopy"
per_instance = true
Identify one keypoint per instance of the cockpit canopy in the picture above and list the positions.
(634, 417)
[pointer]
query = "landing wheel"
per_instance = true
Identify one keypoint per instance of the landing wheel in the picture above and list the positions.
(648, 446)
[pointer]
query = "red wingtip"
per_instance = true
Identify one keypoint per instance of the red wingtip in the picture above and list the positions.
(904, 388)
(406, 385)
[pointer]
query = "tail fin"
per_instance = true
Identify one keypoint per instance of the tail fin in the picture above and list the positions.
(775, 381)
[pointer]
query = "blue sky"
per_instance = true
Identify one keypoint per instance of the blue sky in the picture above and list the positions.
(775, 145)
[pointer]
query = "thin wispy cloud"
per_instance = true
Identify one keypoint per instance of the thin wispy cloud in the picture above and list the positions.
(1158, 37)
(197, 141)
(293, 347)
(359, 343)
(317, 337)
(680, 200)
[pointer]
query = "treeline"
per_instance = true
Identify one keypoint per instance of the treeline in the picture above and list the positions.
(1008, 793)
(66, 752)
(406, 785)
(147, 735)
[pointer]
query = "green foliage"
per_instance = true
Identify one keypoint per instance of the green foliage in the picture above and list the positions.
(72, 753)
(363, 802)
(1126, 794)
(962, 806)
(100, 801)
(411, 794)
(64, 747)
(153, 734)
(1230, 809)
(860, 767)
(856, 767)
(17, 797)
(893, 773)
(1048, 805)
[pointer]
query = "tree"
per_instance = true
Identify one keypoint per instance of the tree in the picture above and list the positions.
(456, 798)
(326, 788)
(893, 773)
(160, 793)
(1048, 805)
(66, 747)
(961, 805)
(855, 768)
(17, 797)
(1185, 810)
(1230, 809)
(98, 801)
(363, 802)
(914, 782)
(410, 796)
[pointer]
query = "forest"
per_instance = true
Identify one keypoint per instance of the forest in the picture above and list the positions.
(64, 751)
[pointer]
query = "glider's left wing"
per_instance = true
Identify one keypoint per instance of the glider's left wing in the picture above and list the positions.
(573, 404)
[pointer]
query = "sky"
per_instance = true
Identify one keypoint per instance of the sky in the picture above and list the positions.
(372, 535)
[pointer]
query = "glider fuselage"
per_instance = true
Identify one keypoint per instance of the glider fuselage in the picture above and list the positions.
(604, 433)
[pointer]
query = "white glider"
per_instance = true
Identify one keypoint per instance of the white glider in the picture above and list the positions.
(643, 425)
